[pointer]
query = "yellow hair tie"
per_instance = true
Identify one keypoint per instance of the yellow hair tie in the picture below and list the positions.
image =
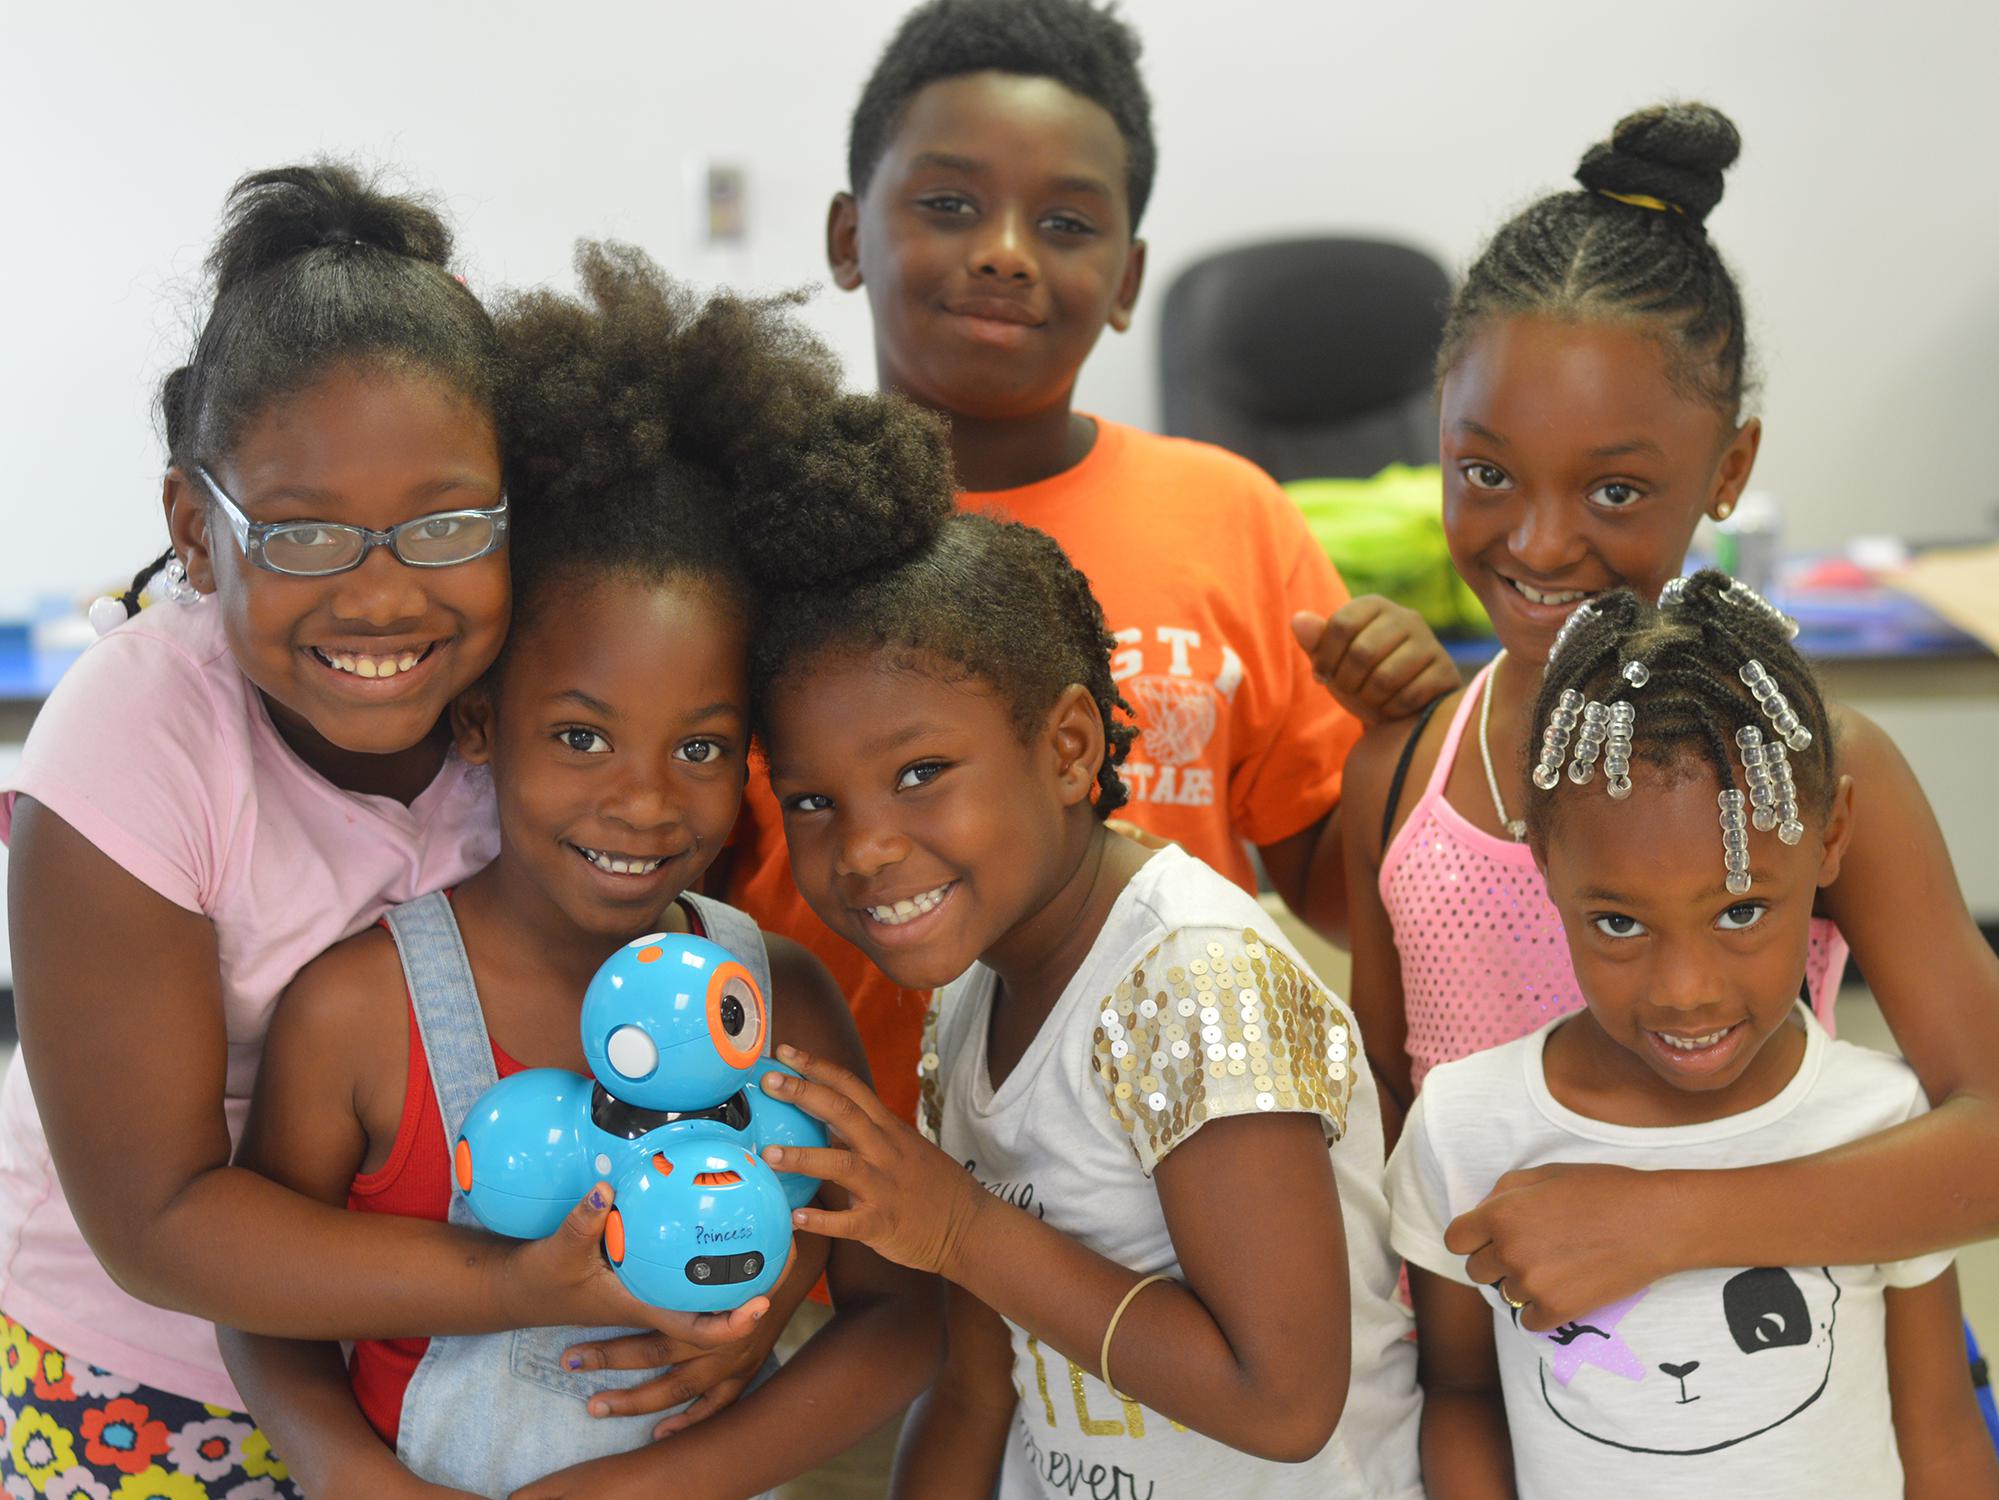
(1644, 200)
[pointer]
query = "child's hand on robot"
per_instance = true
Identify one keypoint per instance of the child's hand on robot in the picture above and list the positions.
(703, 1379)
(674, 1028)
(1379, 658)
(564, 1278)
(1569, 1238)
(906, 1200)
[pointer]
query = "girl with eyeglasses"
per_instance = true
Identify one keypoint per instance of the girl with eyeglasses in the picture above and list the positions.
(663, 450)
(220, 789)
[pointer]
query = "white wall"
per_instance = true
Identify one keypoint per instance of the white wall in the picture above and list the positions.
(1862, 219)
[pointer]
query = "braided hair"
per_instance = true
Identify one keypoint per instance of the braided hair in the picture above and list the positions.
(1081, 45)
(995, 599)
(1631, 244)
(1692, 697)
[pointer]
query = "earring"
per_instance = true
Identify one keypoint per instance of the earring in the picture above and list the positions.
(174, 585)
(1724, 510)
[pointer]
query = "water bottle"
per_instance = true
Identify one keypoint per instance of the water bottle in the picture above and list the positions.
(1750, 541)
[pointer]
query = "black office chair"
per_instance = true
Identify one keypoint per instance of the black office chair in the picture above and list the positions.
(1311, 357)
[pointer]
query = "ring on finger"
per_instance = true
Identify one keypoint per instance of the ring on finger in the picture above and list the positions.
(1507, 1297)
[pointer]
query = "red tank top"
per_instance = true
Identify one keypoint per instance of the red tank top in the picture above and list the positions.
(415, 1182)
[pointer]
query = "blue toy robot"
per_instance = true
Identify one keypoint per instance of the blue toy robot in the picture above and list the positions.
(676, 1120)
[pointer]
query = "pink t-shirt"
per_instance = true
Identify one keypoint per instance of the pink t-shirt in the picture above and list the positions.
(157, 749)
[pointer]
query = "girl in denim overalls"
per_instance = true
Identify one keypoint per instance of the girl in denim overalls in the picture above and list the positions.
(649, 429)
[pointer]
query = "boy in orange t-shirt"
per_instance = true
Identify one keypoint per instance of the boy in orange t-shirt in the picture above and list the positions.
(1000, 157)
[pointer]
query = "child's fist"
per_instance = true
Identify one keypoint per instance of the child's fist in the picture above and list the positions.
(1380, 659)
(564, 1278)
(897, 1194)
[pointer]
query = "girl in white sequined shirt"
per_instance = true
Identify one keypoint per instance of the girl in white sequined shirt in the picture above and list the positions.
(1158, 1199)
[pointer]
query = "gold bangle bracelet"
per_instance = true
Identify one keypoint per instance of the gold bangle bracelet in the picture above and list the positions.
(1104, 1359)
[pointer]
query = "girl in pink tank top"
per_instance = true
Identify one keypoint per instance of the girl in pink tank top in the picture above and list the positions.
(1591, 389)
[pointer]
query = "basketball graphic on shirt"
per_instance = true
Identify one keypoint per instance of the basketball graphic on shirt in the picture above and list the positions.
(1697, 1363)
(1176, 716)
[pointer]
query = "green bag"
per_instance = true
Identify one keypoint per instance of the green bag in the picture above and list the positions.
(1386, 536)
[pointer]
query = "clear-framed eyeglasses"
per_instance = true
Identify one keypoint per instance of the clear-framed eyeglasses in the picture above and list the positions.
(314, 549)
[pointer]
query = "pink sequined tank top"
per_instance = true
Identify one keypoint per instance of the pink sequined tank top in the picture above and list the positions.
(1484, 960)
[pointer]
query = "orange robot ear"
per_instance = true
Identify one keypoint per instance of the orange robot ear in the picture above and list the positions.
(461, 1163)
(736, 1018)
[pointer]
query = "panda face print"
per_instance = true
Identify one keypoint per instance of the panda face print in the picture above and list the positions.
(1700, 1363)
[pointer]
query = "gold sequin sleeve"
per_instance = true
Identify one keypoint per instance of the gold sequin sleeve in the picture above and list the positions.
(930, 1095)
(1212, 1023)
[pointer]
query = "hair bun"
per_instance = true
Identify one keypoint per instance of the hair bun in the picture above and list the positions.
(1673, 152)
(859, 484)
(274, 215)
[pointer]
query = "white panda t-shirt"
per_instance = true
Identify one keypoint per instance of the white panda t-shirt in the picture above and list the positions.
(1745, 1383)
(1190, 1007)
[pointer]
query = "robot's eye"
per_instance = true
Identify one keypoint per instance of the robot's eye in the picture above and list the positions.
(737, 1011)
(633, 1053)
(735, 1015)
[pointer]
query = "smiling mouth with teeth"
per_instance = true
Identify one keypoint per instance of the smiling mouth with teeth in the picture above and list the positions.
(910, 909)
(1692, 1043)
(619, 864)
(362, 664)
(1546, 596)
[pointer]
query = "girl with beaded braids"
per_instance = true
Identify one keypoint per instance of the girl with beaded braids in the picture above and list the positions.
(252, 769)
(1147, 1124)
(664, 453)
(1687, 808)
(1591, 393)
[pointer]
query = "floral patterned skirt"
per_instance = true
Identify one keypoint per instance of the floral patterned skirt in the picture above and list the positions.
(72, 1431)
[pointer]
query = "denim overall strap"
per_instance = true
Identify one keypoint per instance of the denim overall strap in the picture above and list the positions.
(490, 1413)
(448, 1018)
(738, 932)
